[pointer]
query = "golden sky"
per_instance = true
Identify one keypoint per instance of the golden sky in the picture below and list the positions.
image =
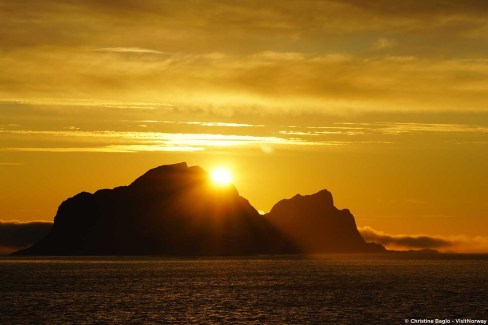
(384, 103)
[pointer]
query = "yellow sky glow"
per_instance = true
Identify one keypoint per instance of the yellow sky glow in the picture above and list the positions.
(384, 103)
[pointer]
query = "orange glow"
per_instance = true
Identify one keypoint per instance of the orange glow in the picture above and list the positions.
(366, 100)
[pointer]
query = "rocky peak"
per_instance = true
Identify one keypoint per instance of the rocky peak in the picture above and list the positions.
(314, 203)
(315, 225)
(175, 210)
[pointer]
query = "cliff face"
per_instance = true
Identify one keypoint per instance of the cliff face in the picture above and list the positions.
(174, 210)
(315, 225)
(170, 210)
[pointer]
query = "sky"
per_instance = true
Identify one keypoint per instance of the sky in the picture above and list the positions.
(383, 103)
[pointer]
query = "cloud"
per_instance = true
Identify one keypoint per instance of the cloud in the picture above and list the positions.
(18, 235)
(11, 164)
(383, 43)
(174, 23)
(229, 56)
(325, 83)
(459, 243)
(62, 103)
(399, 128)
(224, 124)
(404, 241)
(212, 135)
(395, 128)
(114, 141)
(201, 123)
(129, 50)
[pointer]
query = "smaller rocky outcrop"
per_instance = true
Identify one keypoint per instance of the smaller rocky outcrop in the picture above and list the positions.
(315, 225)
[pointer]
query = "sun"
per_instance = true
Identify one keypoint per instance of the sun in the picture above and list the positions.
(221, 176)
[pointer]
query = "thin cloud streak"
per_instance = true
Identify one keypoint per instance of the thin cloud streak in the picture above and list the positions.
(62, 103)
(72, 139)
(11, 164)
(200, 123)
(108, 149)
(149, 141)
(385, 128)
(129, 50)
(400, 128)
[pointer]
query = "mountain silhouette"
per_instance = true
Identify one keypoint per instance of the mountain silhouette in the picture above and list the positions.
(175, 210)
(315, 225)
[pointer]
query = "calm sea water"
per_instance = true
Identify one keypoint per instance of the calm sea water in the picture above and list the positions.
(320, 290)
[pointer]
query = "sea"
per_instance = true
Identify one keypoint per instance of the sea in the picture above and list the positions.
(318, 289)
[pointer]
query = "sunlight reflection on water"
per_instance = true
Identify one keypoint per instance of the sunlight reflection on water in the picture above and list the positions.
(342, 289)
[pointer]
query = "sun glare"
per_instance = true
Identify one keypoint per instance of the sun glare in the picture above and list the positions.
(221, 176)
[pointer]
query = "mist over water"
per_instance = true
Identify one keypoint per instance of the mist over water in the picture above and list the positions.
(320, 289)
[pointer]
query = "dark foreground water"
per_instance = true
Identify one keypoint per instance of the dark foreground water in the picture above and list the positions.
(321, 290)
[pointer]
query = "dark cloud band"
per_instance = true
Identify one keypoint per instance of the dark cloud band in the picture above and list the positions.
(17, 235)
(404, 241)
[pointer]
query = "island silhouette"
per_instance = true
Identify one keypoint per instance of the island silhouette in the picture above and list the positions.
(174, 210)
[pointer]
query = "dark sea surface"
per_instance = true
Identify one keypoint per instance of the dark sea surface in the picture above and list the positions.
(328, 289)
